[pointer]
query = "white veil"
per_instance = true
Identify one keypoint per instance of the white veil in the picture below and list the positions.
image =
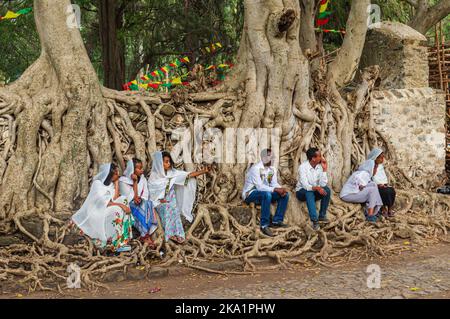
(380, 177)
(90, 217)
(367, 166)
(126, 185)
(159, 179)
(374, 154)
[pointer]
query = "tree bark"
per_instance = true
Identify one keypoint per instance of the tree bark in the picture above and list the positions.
(110, 21)
(426, 15)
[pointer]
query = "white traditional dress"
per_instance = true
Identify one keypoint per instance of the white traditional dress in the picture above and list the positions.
(178, 191)
(107, 226)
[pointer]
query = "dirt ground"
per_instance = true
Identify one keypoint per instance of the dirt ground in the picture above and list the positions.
(418, 273)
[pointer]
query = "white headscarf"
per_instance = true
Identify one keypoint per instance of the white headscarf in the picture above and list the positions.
(90, 217)
(373, 155)
(380, 177)
(126, 183)
(159, 180)
(368, 166)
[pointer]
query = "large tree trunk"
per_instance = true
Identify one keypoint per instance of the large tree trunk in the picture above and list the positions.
(62, 124)
(110, 21)
(426, 15)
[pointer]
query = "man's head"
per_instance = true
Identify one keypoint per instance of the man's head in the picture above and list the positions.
(266, 156)
(314, 156)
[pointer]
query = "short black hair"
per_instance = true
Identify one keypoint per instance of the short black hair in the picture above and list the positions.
(108, 178)
(311, 153)
(167, 154)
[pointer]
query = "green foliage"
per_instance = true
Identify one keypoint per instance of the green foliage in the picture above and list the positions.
(155, 32)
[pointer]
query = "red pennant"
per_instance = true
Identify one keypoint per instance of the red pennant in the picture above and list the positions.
(321, 22)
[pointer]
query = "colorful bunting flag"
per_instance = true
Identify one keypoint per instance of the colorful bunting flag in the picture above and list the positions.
(13, 15)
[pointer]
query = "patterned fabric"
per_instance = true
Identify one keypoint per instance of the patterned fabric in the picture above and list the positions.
(118, 227)
(145, 219)
(170, 217)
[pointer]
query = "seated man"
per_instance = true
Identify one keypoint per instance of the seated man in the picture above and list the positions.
(261, 187)
(312, 186)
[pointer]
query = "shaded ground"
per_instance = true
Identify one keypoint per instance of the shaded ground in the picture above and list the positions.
(419, 273)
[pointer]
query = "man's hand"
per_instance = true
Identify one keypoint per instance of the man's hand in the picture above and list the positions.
(281, 191)
(137, 199)
(382, 185)
(324, 164)
(320, 190)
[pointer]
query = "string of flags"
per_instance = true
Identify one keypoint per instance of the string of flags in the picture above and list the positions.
(159, 77)
(330, 30)
(135, 85)
(212, 48)
(323, 13)
(13, 15)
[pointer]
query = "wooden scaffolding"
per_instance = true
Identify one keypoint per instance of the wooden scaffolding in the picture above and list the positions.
(439, 61)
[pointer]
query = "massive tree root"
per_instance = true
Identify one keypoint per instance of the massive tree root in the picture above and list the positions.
(58, 125)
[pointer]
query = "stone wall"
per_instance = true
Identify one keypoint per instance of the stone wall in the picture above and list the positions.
(401, 53)
(413, 121)
(409, 114)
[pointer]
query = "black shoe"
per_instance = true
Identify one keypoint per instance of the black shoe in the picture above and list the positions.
(316, 226)
(266, 231)
(279, 225)
(324, 220)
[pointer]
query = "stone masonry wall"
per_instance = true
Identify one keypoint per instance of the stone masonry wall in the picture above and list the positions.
(401, 53)
(413, 121)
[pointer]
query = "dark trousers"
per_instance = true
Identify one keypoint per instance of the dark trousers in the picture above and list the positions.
(387, 195)
(310, 197)
(265, 199)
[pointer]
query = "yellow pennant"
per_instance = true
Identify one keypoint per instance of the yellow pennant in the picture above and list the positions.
(11, 15)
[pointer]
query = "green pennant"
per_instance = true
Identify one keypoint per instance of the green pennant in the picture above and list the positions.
(25, 11)
(134, 87)
(167, 85)
(325, 14)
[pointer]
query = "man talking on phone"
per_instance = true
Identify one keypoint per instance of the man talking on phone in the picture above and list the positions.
(312, 186)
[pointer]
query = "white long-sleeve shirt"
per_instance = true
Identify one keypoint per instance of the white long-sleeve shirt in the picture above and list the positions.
(357, 179)
(260, 178)
(309, 177)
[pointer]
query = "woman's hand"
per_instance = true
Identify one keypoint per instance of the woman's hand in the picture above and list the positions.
(134, 177)
(126, 209)
(137, 199)
(361, 187)
(163, 201)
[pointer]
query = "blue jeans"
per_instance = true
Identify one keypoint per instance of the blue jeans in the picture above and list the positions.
(265, 199)
(310, 197)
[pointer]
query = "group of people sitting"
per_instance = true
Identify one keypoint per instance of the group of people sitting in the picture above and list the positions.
(368, 185)
(116, 203)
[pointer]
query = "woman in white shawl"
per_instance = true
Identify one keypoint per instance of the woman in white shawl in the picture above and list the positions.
(359, 188)
(387, 192)
(133, 185)
(105, 216)
(173, 193)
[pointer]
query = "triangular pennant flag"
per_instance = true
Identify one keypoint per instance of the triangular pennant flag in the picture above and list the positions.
(219, 45)
(176, 81)
(321, 22)
(11, 15)
(24, 11)
(324, 14)
(323, 7)
(133, 82)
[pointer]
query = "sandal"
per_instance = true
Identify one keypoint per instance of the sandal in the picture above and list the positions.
(391, 213)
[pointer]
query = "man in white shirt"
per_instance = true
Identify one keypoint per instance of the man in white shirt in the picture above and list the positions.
(312, 186)
(261, 187)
